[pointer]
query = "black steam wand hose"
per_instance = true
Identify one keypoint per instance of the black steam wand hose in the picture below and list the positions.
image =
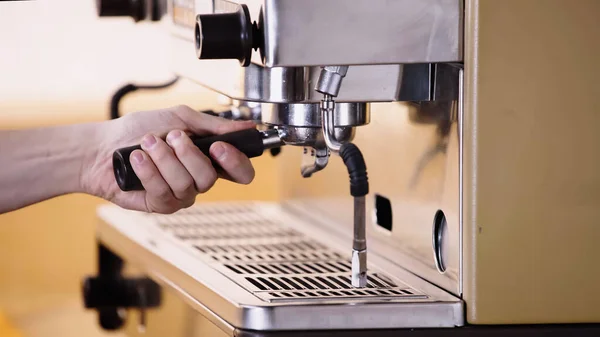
(357, 169)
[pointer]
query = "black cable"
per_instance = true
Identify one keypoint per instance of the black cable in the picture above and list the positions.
(129, 88)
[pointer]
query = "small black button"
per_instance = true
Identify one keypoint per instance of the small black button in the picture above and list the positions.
(132, 8)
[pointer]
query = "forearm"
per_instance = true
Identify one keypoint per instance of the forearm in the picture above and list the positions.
(40, 164)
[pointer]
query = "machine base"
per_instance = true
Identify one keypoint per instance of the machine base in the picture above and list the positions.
(579, 330)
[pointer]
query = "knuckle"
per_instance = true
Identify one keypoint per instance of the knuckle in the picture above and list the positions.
(167, 211)
(185, 149)
(163, 195)
(182, 110)
(207, 181)
(189, 202)
(146, 174)
(164, 207)
(186, 187)
(224, 126)
(161, 152)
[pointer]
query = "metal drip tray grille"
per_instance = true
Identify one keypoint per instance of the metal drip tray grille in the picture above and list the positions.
(275, 262)
(291, 268)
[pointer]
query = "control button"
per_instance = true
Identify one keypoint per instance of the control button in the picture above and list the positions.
(226, 36)
(132, 8)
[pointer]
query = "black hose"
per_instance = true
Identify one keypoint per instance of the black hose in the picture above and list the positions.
(357, 169)
(129, 88)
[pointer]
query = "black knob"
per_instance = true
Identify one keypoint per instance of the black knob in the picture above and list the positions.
(226, 36)
(104, 292)
(110, 291)
(133, 8)
(107, 295)
(275, 151)
(110, 319)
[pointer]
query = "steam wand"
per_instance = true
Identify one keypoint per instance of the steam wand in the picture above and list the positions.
(329, 84)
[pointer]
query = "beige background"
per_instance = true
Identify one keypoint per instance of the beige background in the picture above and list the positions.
(60, 64)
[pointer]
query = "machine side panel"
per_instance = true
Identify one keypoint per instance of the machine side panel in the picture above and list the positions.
(531, 162)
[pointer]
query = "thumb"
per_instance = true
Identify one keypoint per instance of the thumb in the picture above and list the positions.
(201, 123)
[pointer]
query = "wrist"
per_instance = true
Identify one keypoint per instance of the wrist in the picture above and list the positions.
(92, 142)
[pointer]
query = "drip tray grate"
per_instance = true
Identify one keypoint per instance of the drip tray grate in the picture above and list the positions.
(273, 261)
(336, 294)
(290, 268)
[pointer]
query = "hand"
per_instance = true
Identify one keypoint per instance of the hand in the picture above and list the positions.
(172, 170)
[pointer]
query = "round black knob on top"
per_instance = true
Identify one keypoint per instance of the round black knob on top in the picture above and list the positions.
(226, 36)
(132, 8)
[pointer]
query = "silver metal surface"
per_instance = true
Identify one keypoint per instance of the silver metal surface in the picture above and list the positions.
(327, 115)
(359, 268)
(359, 244)
(398, 45)
(314, 32)
(330, 80)
(359, 241)
(378, 83)
(313, 137)
(367, 32)
(313, 160)
(412, 152)
(309, 114)
(245, 110)
(271, 138)
(254, 265)
(439, 230)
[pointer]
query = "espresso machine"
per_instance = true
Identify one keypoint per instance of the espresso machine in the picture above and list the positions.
(474, 185)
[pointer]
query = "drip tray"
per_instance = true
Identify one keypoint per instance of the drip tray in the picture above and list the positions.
(254, 264)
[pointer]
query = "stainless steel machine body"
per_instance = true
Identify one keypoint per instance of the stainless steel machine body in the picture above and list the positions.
(414, 99)
(377, 37)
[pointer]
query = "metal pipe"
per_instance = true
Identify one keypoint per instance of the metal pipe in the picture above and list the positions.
(327, 121)
(359, 245)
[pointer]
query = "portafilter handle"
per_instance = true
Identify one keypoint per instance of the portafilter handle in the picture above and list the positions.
(250, 142)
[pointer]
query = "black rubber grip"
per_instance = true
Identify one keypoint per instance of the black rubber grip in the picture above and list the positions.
(357, 169)
(249, 142)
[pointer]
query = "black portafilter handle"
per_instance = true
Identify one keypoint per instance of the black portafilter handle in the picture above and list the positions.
(250, 142)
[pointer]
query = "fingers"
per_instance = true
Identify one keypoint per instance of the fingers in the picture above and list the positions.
(195, 162)
(169, 166)
(173, 171)
(158, 196)
(200, 123)
(167, 183)
(236, 165)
